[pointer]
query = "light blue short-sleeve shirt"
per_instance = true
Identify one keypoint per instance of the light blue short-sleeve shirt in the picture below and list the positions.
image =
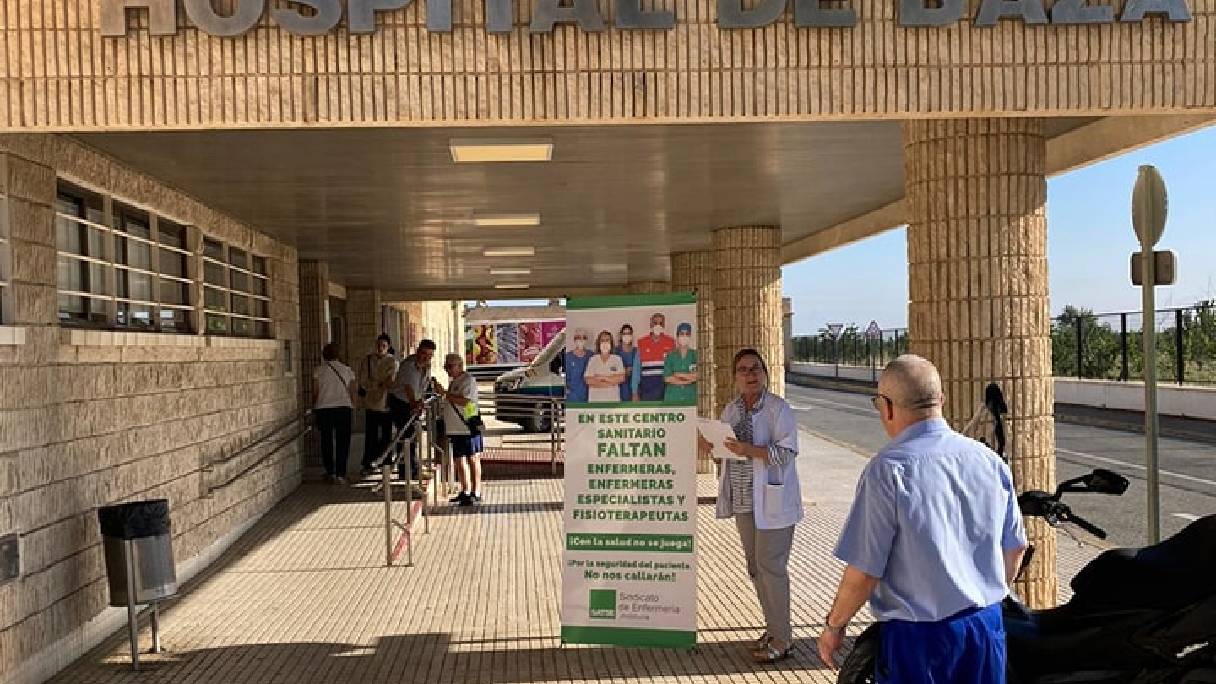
(934, 513)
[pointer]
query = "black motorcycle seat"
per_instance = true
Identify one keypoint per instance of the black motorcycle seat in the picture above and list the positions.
(1170, 574)
(1066, 639)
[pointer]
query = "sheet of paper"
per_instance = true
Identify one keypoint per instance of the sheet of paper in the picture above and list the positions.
(715, 432)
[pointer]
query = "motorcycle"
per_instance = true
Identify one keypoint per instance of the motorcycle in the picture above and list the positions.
(1137, 615)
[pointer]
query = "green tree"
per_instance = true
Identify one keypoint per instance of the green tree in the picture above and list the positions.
(1199, 340)
(1099, 345)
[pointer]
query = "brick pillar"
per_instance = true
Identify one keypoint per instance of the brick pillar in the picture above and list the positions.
(747, 304)
(649, 287)
(694, 272)
(362, 328)
(977, 257)
(362, 322)
(314, 323)
(28, 192)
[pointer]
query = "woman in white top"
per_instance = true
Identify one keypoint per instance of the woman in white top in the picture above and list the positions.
(459, 405)
(761, 492)
(605, 371)
(334, 391)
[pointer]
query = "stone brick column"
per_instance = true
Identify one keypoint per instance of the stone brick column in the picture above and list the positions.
(747, 304)
(694, 272)
(649, 287)
(314, 323)
(28, 189)
(362, 327)
(977, 256)
(362, 322)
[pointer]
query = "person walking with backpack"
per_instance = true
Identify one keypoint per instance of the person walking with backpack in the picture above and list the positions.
(463, 426)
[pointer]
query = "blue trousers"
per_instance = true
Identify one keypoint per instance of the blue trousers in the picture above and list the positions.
(968, 647)
(652, 388)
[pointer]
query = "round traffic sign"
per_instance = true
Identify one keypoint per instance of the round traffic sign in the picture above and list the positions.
(1149, 206)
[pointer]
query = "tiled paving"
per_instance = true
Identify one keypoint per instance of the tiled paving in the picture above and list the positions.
(304, 598)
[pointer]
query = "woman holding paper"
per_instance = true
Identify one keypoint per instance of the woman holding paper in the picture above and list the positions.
(761, 492)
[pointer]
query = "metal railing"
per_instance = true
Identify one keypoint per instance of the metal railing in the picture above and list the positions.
(1084, 345)
(543, 419)
(852, 349)
(273, 446)
(1109, 346)
(399, 448)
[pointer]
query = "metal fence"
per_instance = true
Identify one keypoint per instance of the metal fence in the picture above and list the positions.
(1109, 346)
(1085, 345)
(852, 348)
(538, 449)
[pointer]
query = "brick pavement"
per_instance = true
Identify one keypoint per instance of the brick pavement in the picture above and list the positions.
(304, 598)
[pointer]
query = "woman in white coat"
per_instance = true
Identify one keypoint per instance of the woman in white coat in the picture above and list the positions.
(763, 495)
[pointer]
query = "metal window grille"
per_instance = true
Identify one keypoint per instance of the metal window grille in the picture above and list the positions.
(236, 291)
(120, 266)
(125, 267)
(85, 266)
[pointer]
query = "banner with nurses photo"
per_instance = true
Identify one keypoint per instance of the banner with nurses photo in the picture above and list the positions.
(629, 569)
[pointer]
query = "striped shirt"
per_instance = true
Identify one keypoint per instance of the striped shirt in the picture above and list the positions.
(741, 479)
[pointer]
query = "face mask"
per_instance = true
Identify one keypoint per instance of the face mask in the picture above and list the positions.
(683, 340)
(605, 347)
(657, 330)
(580, 345)
(626, 339)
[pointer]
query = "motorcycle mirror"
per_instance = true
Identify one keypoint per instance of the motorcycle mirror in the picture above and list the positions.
(1035, 503)
(994, 399)
(1105, 481)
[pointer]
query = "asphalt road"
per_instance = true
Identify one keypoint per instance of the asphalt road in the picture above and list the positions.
(1188, 467)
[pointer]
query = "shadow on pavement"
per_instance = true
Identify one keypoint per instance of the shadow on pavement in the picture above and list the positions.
(424, 658)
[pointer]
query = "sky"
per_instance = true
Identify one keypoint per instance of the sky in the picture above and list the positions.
(1089, 242)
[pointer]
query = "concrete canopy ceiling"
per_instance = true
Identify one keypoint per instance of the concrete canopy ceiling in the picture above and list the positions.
(389, 208)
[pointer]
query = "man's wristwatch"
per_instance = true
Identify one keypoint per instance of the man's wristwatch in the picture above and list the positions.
(829, 627)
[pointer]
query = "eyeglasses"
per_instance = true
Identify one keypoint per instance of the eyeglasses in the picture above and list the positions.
(875, 401)
(750, 370)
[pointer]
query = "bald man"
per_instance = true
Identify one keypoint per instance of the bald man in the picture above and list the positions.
(932, 541)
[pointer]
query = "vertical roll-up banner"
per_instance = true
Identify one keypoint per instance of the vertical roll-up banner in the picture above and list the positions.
(629, 570)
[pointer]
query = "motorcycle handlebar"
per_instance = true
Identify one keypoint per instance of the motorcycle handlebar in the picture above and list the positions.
(1086, 525)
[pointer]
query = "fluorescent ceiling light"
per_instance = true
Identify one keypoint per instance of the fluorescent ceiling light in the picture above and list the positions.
(510, 252)
(510, 286)
(507, 220)
(477, 151)
(608, 268)
(510, 271)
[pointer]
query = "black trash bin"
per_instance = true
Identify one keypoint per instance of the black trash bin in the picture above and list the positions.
(138, 542)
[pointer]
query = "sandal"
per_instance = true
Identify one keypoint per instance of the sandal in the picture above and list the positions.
(770, 655)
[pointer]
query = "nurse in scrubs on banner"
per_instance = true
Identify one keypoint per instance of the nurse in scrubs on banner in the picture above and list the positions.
(605, 371)
(575, 364)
